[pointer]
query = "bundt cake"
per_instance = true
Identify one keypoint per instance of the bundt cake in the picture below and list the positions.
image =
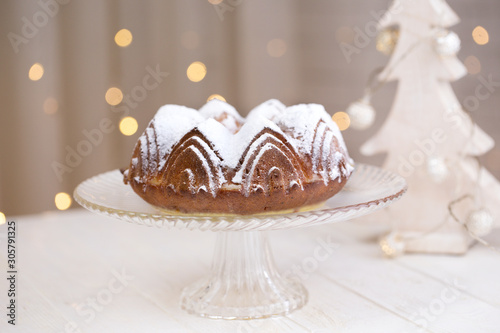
(214, 161)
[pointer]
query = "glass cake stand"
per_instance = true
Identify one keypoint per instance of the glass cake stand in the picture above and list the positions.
(244, 282)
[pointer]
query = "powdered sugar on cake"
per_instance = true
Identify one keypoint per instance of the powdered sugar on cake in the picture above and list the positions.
(272, 109)
(224, 112)
(230, 141)
(171, 123)
(302, 120)
(231, 146)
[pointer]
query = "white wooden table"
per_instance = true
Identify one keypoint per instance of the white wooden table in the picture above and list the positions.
(80, 272)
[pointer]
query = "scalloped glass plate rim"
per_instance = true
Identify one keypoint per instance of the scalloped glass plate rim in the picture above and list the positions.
(324, 214)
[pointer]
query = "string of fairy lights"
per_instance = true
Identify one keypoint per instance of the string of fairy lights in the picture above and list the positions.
(361, 116)
(197, 71)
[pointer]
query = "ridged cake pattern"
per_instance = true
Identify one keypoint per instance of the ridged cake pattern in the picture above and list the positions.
(215, 148)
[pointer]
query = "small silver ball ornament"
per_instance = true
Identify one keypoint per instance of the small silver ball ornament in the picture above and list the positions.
(480, 222)
(361, 114)
(437, 169)
(446, 43)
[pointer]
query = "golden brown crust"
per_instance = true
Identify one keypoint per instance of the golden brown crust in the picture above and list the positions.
(234, 202)
(278, 168)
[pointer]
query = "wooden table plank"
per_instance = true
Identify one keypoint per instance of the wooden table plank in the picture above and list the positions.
(438, 306)
(66, 258)
(474, 269)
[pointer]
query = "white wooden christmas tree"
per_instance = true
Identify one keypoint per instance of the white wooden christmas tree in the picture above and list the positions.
(428, 138)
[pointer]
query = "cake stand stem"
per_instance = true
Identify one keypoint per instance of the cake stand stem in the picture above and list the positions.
(244, 282)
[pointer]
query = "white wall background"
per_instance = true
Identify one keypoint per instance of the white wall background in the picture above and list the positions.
(81, 61)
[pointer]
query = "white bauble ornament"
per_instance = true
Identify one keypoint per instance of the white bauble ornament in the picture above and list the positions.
(446, 43)
(392, 245)
(480, 222)
(361, 114)
(437, 169)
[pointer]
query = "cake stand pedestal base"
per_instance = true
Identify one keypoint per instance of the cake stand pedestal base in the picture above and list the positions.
(244, 282)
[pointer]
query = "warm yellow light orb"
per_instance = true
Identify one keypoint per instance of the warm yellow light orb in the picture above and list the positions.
(196, 71)
(472, 64)
(50, 106)
(217, 96)
(480, 35)
(62, 201)
(3, 220)
(123, 38)
(342, 119)
(114, 96)
(36, 72)
(128, 126)
(276, 47)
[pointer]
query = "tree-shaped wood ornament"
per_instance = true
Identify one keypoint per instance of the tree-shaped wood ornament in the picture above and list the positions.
(428, 137)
